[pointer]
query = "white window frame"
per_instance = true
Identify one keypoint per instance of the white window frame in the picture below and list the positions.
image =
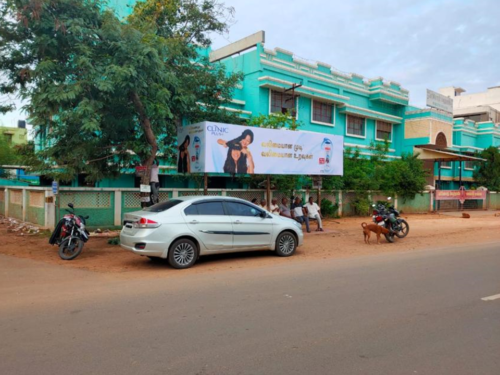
(446, 167)
(376, 130)
(354, 135)
(274, 114)
(334, 109)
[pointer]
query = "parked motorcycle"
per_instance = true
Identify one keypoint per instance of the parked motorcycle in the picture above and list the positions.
(389, 218)
(70, 234)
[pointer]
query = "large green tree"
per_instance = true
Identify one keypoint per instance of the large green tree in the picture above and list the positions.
(488, 172)
(105, 92)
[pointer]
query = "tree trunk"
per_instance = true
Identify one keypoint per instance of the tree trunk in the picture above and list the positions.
(150, 138)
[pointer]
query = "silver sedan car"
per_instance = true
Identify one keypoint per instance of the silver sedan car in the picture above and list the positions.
(182, 229)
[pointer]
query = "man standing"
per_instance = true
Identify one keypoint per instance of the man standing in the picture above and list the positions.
(275, 210)
(154, 182)
(284, 209)
(314, 212)
(299, 213)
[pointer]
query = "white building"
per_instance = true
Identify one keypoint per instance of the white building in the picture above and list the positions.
(479, 107)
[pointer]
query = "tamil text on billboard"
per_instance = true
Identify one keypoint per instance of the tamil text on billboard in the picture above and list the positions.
(224, 148)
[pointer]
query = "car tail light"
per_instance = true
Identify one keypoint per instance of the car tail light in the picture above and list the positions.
(140, 246)
(146, 223)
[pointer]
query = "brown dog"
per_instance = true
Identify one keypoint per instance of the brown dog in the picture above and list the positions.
(377, 229)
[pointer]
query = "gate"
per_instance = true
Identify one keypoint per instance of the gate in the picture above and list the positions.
(457, 200)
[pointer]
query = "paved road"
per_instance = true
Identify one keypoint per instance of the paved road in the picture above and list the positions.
(408, 313)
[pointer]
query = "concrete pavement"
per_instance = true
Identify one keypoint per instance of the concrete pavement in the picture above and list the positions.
(408, 313)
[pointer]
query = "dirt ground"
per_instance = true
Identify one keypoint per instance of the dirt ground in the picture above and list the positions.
(342, 238)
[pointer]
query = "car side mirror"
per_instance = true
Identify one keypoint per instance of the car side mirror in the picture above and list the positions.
(263, 214)
(70, 205)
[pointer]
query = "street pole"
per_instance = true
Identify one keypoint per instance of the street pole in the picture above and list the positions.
(268, 192)
(205, 184)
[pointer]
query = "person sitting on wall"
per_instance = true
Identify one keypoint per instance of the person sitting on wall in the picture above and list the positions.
(263, 205)
(314, 212)
(299, 213)
(284, 209)
(274, 208)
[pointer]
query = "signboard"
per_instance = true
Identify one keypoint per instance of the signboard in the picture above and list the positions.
(210, 147)
(145, 188)
(461, 195)
(438, 101)
(55, 187)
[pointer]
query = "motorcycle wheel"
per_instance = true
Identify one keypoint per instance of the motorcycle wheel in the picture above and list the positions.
(70, 251)
(389, 237)
(405, 229)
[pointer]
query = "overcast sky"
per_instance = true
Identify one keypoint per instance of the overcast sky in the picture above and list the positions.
(418, 43)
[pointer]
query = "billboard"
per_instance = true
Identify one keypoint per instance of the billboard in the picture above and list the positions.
(438, 101)
(210, 147)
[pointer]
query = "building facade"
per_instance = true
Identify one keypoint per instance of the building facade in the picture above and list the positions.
(364, 111)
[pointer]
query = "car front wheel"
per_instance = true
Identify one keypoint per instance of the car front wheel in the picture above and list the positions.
(182, 254)
(286, 244)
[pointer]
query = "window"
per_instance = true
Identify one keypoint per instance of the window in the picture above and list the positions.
(210, 208)
(356, 126)
(191, 210)
(241, 209)
(282, 103)
(163, 206)
(469, 164)
(384, 131)
(8, 137)
(322, 112)
(446, 164)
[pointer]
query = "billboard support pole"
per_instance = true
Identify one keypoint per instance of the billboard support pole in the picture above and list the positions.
(268, 192)
(205, 184)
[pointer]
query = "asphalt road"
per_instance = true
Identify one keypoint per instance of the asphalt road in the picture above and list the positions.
(407, 313)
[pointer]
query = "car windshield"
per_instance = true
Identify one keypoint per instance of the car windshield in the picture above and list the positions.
(162, 206)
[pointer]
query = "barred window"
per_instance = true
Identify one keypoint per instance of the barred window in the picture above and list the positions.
(446, 164)
(469, 164)
(384, 130)
(322, 112)
(356, 126)
(282, 103)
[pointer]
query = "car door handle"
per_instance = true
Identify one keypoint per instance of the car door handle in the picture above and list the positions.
(194, 222)
(237, 222)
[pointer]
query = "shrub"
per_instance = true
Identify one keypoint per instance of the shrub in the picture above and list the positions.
(329, 209)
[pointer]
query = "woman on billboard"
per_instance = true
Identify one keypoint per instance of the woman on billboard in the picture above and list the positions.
(184, 164)
(239, 158)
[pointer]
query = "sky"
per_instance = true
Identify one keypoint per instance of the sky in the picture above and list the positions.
(418, 43)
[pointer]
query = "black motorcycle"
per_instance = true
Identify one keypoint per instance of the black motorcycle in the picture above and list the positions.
(389, 218)
(70, 234)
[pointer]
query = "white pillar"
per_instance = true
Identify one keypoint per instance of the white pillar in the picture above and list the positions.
(340, 204)
(175, 193)
(7, 201)
(24, 203)
(118, 208)
(431, 199)
(50, 210)
(223, 192)
(396, 201)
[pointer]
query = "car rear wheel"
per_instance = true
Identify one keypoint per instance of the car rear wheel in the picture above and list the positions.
(286, 244)
(182, 254)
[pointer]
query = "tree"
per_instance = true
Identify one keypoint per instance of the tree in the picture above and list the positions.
(105, 93)
(488, 172)
(8, 154)
(405, 177)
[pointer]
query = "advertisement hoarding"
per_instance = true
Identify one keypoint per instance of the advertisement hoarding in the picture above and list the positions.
(438, 101)
(210, 147)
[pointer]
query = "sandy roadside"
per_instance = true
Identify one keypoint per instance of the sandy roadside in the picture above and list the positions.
(342, 238)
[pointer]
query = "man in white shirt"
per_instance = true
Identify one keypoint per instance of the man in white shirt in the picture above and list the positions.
(299, 213)
(263, 205)
(274, 208)
(154, 181)
(314, 212)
